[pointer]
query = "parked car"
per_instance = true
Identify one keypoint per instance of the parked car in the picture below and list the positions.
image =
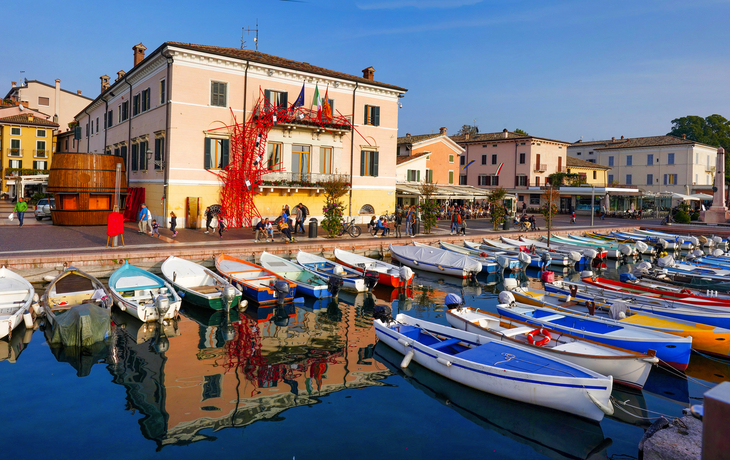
(43, 208)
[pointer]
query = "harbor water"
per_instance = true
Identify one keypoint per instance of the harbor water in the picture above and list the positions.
(302, 381)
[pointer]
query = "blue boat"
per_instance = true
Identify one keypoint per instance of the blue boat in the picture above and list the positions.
(137, 291)
(308, 283)
(533, 260)
(674, 351)
(352, 280)
(256, 283)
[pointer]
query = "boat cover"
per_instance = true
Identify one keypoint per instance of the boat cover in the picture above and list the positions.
(436, 256)
(81, 326)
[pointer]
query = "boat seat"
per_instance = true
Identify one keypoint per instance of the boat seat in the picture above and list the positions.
(551, 317)
(205, 289)
(444, 344)
(517, 331)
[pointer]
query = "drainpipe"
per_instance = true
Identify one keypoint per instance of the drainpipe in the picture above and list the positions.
(106, 111)
(352, 148)
(129, 132)
(88, 138)
(166, 163)
(245, 88)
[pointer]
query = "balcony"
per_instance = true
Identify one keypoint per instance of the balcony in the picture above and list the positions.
(40, 153)
(15, 152)
(303, 117)
(561, 169)
(292, 181)
(540, 168)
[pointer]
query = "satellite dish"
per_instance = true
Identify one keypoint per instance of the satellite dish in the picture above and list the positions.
(21, 107)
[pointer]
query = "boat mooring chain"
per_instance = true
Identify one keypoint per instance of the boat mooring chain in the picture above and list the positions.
(619, 404)
(682, 375)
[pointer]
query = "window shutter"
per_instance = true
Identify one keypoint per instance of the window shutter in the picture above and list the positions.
(665, 179)
(35, 165)
(135, 149)
(123, 153)
(222, 98)
(365, 120)
(224, 153)
(267, 96)
(418, 176)
(375, 163)
(284, 100)
(517, 178)
(157, 153)
(206, 161)
(363, 156)
(376, 116)
(143, 156)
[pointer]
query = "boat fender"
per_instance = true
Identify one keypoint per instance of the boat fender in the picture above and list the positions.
(28, 319)
(606, 409)
(539, 331)
(685, 291)
(506, 297)
(407, 359)
(181, 293)
(404, 342)
(443, 361)
(122, 307)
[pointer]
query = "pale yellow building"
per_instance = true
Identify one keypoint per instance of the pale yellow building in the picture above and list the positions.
(590, 173)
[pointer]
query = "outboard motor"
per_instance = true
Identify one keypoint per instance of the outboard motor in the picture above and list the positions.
(575, 256)
(666, 261)
(334, 284)
(453, 301)
(590, 254)
(546, 258)
(383, 313)
(718, 252)
(281, 288)
(524, 259)
(662, 244)
(227, 295)
(503, 261)
(625, 249)
(693, 240)
(405, 274)
(506, 297)
(641, 247)
(717, 240)
(642, 268)
(510, 283)
(698, 253)
(162, 305)
(371, 278)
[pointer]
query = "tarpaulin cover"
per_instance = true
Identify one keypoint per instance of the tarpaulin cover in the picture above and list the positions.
(436, 256)
(81, 326)
(82, 358)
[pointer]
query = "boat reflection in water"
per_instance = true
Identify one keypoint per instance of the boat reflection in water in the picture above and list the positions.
(11, 347)
(233, 370)
(551, 433)
(80, 358)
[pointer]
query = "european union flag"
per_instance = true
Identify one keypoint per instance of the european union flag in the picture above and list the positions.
(300, 99)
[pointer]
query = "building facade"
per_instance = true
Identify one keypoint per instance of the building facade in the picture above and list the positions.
(443, 163)
(172, 115)
(61, 105)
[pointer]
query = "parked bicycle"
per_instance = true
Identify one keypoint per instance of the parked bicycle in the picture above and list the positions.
(351, 229)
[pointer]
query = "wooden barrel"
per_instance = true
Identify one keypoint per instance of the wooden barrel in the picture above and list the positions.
(83, 185)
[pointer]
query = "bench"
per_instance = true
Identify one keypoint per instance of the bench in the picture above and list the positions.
(206, 289)
(445, 343)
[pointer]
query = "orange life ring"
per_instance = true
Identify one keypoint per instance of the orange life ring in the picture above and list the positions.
(539, 331)
(685, 291)
(484, 254)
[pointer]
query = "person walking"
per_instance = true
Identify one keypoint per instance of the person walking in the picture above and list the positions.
(155, 228)
(453, 223)
(572, 217)
(299, 219)
(221, 226)
(398, 223)
(208, 220)
(19, 209)
(603, 212)
(173, 224)
(144, 217)
(409, 216)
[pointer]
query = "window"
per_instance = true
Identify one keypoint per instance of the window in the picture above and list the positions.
(649, 179)
(372, 115)
(429, 176)
(697, 157)
(610, 161)
(135, 156)
(462, 180)
(484, 179)
(15, 148)
(159, 152)
(300, 160)
(39, 165)
(87, 130)
(537, 181)
(578, 154)
(414, 175)
(109, 119)
(218, 93)
(44, 101)
(273, 161)
(628, 179)
(610, 179)
(163, 93)
(535, 199)
(451, 177)
(40, 133)
(649, 159)
(16, 132)
(451, 158)
(325, 160)
(97, 124)
(136, 103)
(65, 145)
(145, 100)
(494, 158)
(369, 163)
(116, 152)
(276, 99)
(367, 209)
(629, 160)
(521, 180)
(522, 158)
(123, 111)
(40, 149)
(216, 153)
(462, 161)
(590, 153)
(143, 146)
(123, 154)
(484, 159)
(708, 162)
(697, 177)
(16, 164)
(594, 175)
(592, 160)
(670, 158)
(92, 126)
(670, 179)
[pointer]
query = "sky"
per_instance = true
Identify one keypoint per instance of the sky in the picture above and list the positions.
(562, 70)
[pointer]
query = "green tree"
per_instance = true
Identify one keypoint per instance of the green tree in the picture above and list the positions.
(468, 129)
(429, 206)
(334, 189)
(713, 130)
(496, 202)
(520, 131)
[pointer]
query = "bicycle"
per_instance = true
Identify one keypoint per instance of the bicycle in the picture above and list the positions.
(350, 228)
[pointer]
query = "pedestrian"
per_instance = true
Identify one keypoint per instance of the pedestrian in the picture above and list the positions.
(269, 230)
(463, 227)
(288, 216)
(173, 224)
(208, 220)
(409, 216)
(524, 207)
(155, 228)
(20, 208)
(603, 212)
(299, 219)
(260, 230)
(398, 223)
(453, 223)
(572, 217)
(144, 220)
(221, 226)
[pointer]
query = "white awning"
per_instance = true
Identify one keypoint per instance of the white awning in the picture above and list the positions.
(443, 192)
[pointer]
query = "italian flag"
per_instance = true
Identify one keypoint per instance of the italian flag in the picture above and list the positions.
(499, 168)
(317, 100)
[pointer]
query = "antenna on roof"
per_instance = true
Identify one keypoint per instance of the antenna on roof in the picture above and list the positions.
(255, 38)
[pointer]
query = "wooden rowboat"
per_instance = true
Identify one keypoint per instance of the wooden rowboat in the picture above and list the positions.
(200, 286)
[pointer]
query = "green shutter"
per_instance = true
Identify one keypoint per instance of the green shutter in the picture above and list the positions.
(224, 153)
(363, 157)
(135, 149)
(207, 162)
(158, 157)
(284, 100)
(376, 116)
(365, 120)
(375, 163)
(267, 97)
(418, 176)
(35, 165)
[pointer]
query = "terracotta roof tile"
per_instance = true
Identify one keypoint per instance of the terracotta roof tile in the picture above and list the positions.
(494, 137)
(578, 163)
(24, 119)
(652, 141)
(255, 56)
(416, 139)
(403, 159)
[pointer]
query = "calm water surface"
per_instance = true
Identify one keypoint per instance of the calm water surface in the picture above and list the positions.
(303, 382)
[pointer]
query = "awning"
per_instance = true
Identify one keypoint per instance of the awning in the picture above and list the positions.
(684, 197)
(443, 192)
(702, 196)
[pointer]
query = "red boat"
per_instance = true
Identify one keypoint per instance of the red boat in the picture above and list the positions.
(388, 274)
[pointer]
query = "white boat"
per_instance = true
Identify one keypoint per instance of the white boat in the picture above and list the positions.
(499, 367)
(142, 294)
(351, 279)
(308, 283)
(436, 260)
(200, 286)
(625, 366)
(16, 299)
(549, 257)
(390, 275)
(573, 256)
(588, 253)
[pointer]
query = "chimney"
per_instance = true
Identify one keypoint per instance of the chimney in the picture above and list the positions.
(30, 117)
(369, 73)
(15, 83)
(138, 53)
(120, 75)
(57, 95)
(466, 136)
(622, 137)
(684, 136)
(505, 133)
(104, 82)
(442, 131)
(78, 91)
(408, 134)
(613, 139)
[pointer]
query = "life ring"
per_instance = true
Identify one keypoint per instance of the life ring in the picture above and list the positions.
(685, 291)
(484, 254)
(540, 331)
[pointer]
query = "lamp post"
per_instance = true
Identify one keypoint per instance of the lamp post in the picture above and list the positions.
(593, 203)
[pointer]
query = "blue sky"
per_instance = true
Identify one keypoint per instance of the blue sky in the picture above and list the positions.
(561, 70)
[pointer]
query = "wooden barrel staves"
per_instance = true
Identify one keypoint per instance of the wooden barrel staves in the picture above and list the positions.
(83, 185)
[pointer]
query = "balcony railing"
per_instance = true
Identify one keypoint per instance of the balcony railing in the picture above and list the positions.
(301, 116)
(289, 179)
(540, 167)
(562, 169)
(40, 153)
(15, 152)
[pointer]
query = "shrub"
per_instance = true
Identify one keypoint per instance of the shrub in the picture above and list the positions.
(682, 217)
(695, 216)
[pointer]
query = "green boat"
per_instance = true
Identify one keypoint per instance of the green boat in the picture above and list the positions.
(200, 286)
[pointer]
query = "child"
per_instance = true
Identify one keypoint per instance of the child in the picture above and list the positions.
(269, 231)
(221, 226)
(572, 218)
(173, 224)
(155, 228)
(463, 227)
